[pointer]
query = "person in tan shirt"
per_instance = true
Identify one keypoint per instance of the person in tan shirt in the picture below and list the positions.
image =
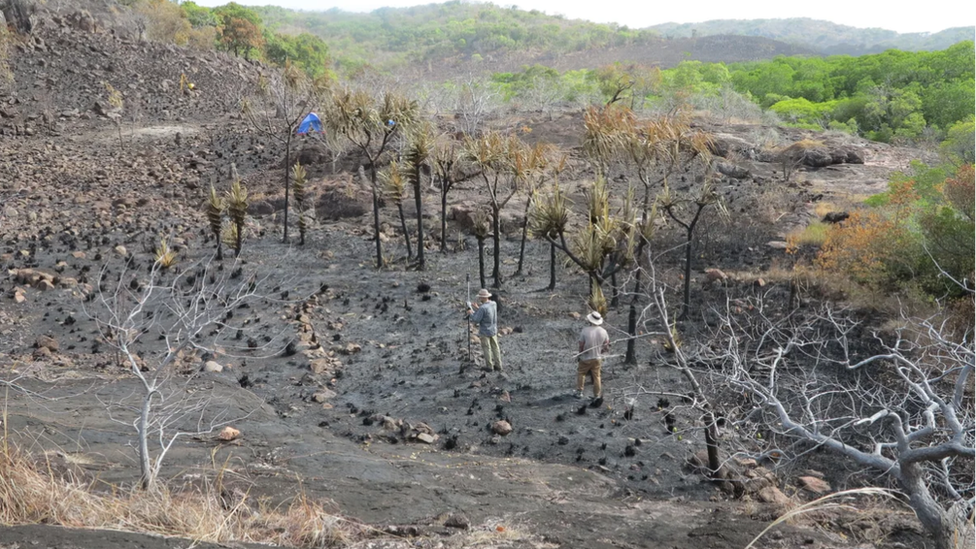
(594, 342)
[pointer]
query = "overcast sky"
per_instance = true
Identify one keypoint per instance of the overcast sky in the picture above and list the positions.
(927, 16)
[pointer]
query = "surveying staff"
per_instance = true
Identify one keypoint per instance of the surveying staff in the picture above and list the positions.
(486, 317)
(594, 342)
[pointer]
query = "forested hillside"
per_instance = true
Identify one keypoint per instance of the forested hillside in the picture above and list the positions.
(824, 36)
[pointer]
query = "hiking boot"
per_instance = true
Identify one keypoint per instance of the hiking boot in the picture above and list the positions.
(578, 395)
(597, 402)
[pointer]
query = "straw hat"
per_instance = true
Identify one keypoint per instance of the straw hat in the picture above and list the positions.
(484, 294)
(594, 318)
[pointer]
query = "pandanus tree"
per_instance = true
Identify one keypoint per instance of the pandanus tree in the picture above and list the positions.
(604, 129)
(237, 201)
(490, 153)
(656, 149)
(446, 160)
(420, 145)
(531, 166)
(299, 179)
(284, 100)
(548, 220)
(215, 218)
(371, 125)
(393, 179)
(601, 247)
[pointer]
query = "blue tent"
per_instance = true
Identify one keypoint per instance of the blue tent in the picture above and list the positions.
(311, 123)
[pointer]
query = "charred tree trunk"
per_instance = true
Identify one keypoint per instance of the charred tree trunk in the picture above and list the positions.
(376, 216)
(287, 180)
(552, 266)
(403, 227)
(481, 262)
(525, 234)
(444, 190)
(418, 201)
(496, 238)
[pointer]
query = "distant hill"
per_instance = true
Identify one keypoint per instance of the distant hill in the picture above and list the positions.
(823, 36)
(463, 36)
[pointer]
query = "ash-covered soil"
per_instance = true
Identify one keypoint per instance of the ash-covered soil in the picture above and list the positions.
(376, 405)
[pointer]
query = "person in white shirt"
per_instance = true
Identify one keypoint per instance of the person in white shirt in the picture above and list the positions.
(486, 317)
(594, 342)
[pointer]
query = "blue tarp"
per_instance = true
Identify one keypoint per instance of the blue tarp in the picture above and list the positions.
(311, 123)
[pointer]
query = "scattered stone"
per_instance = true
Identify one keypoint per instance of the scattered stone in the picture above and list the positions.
(426, 438)
(814, 484)
(47, 342)
(229, 433)
(323, 395)
(501, 427)
(120, 250)
(715, 275)
(774, 495)
(213, 367)
(457, 520)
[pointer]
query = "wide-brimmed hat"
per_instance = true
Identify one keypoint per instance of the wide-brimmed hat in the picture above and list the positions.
(594, 318)
(483, 293)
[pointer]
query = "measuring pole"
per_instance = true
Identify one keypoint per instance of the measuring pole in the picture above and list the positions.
(467, 330)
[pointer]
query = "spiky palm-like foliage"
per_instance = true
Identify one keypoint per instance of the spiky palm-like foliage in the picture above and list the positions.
(548, 220)
(237, 209)
(597, 301)
(215, 218)
(164, 256)
(420, 145)
(299, 178)
(229, 235)
(481, 229)
(550, 216)
(395, 189)
(604, 129)
(540, 163)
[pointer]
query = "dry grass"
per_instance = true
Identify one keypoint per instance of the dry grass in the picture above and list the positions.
(36, 490)
(32, 493)
(814, 234)
(836, 500)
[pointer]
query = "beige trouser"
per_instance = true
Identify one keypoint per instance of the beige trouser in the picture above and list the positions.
(589, 367)
(493, 355)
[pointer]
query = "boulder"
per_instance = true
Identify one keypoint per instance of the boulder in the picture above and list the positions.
(212, 367)
(501, 427)
(733, 170)
(47, 342)
(814, 484)
(323, 395)
(726, 145)
(228, 434)
(774, 495)
(344, 202)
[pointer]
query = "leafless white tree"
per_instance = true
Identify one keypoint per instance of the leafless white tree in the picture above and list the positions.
(898, 401)
(473, 102)
(154, 322)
